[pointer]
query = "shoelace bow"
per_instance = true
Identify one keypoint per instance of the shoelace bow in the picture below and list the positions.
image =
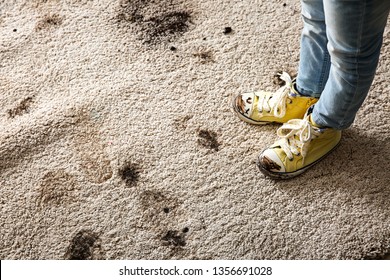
(296, 135)
(276, 103)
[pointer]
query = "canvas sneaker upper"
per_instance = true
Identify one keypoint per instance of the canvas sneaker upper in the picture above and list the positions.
(301, 144)
(264, 107)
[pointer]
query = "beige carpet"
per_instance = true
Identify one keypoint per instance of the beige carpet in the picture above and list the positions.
(117, 140)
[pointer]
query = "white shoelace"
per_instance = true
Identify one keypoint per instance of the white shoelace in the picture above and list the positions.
(275, 103)
(296, 135)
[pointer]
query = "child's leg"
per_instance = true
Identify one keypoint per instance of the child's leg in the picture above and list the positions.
(355, 32)
(314, 57)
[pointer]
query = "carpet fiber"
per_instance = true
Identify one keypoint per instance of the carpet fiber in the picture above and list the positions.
(117, 140)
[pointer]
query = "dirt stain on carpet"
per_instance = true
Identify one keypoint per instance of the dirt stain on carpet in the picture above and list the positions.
(159, 210)
(88, 145)
(57, 188)
(204, 56)
(208, 139)
(157, 21)
(22, 108)
(174, 238)
(85, 245)
(157, 202)
(48, 21)
(181, 123)
(130, 174)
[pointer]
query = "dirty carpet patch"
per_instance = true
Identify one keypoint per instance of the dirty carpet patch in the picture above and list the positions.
(118, 141)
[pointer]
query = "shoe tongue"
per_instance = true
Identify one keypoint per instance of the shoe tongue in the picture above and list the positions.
(293, 91)
(313, 123)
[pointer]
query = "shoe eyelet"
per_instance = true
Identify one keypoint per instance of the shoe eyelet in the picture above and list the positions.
(290, 101)
(291, 159)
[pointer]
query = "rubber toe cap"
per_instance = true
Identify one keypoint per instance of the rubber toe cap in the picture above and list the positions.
(270, 161)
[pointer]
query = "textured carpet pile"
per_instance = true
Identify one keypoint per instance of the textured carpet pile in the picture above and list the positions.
(117, 140)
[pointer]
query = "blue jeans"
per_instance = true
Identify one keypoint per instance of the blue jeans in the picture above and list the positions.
(340, 47)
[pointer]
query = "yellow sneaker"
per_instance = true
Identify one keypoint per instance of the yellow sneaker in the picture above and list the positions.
(264, 107)
(301, 145)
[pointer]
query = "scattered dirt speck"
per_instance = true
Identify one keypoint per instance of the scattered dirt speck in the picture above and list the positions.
(227, 30)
